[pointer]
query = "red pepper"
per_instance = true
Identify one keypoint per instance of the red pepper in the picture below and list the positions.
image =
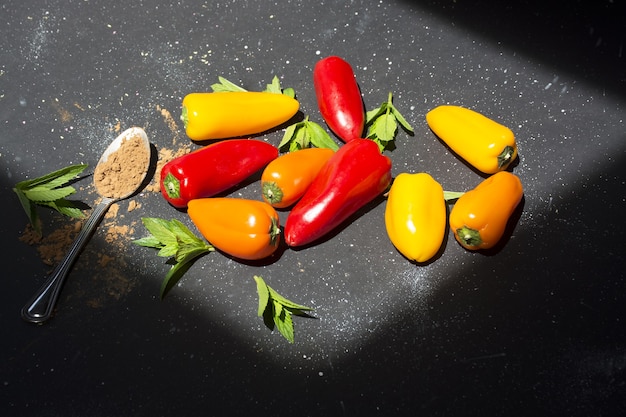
(213, 169)
(339, 98)
(355, 175)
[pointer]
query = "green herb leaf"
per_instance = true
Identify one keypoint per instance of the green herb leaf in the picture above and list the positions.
(452, 195)
(225, 86)
(382, 123)
(320, 138)
(55, 178)
(306, 134)
(65, 207)
(160, 229)
(400, 118)
(264, 295)
(276, 88)
(371, 115)
(290, 92)
(175, 241)
(50, 191)
(289, 305)
(148, 242)
(287, 136)
(178, 269)
(384, 129)
(277, 309)
(43, 194)
(284, 323)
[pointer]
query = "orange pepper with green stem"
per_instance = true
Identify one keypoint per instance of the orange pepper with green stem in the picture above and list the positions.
(235, 114)
(242, 228)
(480, 216)
(285, 179)
(483, 143)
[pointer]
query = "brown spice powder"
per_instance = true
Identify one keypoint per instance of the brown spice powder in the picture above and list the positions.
(53, 246)
(123, 170)
(165, 155)
(107, 270)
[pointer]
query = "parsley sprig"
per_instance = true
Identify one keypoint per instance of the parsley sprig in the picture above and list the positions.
(226, 86)
(300, 135)
(452, 196)
(50, 190)
(276, 310)
(306, 134)
(276, 88)
(176, 242)
(382, 123)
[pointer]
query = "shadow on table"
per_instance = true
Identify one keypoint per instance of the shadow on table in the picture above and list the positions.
(585, 39)
(545, 333)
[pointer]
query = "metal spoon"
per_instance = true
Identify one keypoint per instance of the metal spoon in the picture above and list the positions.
(40, 307)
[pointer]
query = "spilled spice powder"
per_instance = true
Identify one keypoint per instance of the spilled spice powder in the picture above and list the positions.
(170, 122)
(165, 155)
(53, 246)
(133, 205)
(123, 170)
(116, 234)
(107, 269)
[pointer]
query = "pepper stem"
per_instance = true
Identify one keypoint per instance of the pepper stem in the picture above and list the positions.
(271, 192)
(184, 117)
(171, 186)
(505, 157)
(274, 232)
(469, 237)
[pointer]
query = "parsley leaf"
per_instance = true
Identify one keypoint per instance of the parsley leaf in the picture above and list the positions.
(452, 195)
(276, 310)
(306, 134)
(225, 86)
(175, 241)
(382, 123)
(50, 190)
(276, 88)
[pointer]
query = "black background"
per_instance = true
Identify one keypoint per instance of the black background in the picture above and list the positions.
(534, 328)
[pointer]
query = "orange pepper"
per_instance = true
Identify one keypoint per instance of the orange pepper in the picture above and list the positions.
(286, 178)
(235, 114)
(242, 228)
(480, 216)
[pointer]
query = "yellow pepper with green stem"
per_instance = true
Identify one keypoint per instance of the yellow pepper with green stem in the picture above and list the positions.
(416, 216)
(483, 143)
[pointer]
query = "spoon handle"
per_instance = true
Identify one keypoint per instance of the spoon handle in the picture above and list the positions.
(40, 307)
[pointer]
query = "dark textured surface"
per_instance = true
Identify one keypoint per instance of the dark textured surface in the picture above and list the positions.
(536, 328)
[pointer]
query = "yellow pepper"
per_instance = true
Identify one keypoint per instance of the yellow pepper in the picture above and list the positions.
(234, 114)
(483, 143)
(416, 216)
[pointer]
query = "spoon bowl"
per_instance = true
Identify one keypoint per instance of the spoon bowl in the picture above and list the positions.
(120, 172)
(118, 175)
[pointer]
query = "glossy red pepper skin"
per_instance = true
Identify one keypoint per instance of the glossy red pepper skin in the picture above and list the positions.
(355, 175)
(213, 169)
(339, 98)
